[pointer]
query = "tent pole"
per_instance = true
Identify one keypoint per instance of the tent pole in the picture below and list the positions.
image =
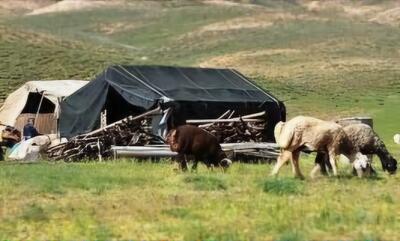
(57, 116)
(38, 110)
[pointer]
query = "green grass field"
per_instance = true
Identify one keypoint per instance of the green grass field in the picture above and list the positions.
(330, 61)
(130, 200)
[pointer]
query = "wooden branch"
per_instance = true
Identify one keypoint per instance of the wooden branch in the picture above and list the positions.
(238, 119)
(254, 115)
(129, 118)
(222, 116)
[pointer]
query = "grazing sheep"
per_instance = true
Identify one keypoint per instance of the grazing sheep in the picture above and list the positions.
(316, 135)
(362, 165)
(192, 140)
(366, 141)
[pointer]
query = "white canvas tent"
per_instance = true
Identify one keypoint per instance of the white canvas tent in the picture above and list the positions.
(27, 96)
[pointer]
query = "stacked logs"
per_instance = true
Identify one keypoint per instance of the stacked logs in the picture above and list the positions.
(131, 131)
(137, 131)
(235, 130)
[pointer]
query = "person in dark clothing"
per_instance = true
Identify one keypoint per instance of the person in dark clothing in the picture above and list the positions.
(30, 130)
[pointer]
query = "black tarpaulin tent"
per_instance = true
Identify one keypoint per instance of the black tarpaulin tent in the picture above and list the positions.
(193, 93)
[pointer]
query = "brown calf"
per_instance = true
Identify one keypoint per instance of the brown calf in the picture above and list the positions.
(192, 140)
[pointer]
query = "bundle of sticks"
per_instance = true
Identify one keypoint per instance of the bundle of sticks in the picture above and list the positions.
(229, 129)
(137, 131)
(129, 131)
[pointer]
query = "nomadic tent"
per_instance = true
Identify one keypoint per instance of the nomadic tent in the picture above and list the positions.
(37, 99)
(193, 93)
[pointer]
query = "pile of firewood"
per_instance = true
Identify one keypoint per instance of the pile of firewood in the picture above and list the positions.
(230, 129)
(137, 131)
(131, 131)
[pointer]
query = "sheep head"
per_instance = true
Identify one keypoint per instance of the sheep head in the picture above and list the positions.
(389, 164)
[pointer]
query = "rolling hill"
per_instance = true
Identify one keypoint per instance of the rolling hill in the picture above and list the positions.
(332, 60)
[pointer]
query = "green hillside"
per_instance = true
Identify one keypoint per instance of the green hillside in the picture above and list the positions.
(330, 60)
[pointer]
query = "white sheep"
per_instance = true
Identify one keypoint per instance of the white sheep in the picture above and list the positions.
(304, 132)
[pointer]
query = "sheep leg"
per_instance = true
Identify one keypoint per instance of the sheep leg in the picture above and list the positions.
(282, 159)
(316, 169)
(332, 160)
(293, 168)
(296, 166)
(320, 161)
(1, 153)
(323, 161)
(320, 165)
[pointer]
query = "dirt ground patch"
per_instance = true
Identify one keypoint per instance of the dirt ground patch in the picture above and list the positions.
(73, 5)
(350, 9)
(231, 3)
(237, 23)
(17, 6)
(318, 6)
(390, 17)
(361, 11)
(113, 28)
(259, 21)
(246, 60)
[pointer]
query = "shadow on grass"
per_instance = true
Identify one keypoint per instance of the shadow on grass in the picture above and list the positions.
(206, 183)
(34, 213)
(386, 197)
(103, 232)
(350, 176)
(292, 235)
(180, 213)
(198, 231)
(283, 186)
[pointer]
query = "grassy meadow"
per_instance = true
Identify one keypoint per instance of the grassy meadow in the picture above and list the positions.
(150, 201)
(330, 60)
